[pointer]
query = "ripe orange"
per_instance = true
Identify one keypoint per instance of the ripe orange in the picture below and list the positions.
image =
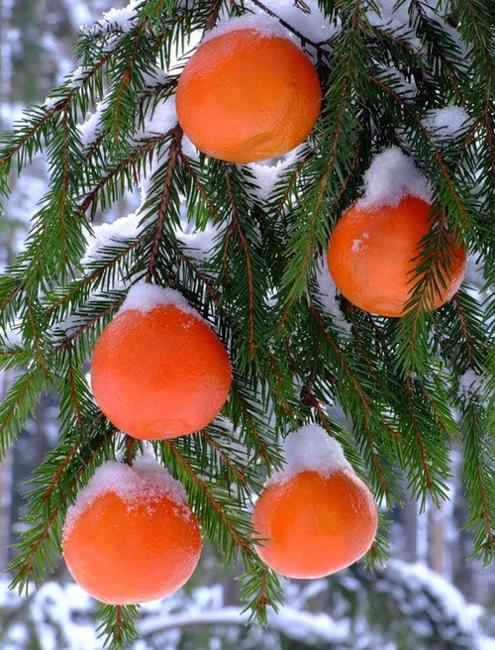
(161, 373)
(246, 95)
(130, 541)
(371, 252)
(312, 525)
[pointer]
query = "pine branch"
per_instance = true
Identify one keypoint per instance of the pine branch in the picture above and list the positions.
(173, 156)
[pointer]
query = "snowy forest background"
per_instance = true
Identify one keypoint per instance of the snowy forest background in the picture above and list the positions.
(428, 596)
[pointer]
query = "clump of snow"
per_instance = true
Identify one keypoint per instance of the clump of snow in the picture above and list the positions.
(121, 18)
(91, 128)
(159, 120)
(390, 13)
(470, 383)
(51, 102)
(267, 173)
(446, 122)
(391, 177)
(328, 294)
(310, 22)
(310, 448)
(144, 297)
(200, 243)
(154, 77)
(145, 479)
(111, 234)
(263, 24)
(12, 335)
(393, 16)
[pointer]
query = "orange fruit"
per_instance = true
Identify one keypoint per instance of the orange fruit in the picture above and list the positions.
(371, 253)
(311, 526)
(160, 373)
(246, 95)
(131, 537)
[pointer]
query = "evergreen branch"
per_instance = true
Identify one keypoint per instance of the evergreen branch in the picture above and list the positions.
(18, 404)
(263, 450)
(236, 224)
(479, 480)
(42, 117)
(237, 537)
(418, 436)
(216, 6)
(173, 156)
(240, 476)
(212, 211)
(465, 330)
(117, 625)
(382, 480)
(131, 161)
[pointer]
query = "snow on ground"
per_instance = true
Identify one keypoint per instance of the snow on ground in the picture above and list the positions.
(62, 615)
(310, 448)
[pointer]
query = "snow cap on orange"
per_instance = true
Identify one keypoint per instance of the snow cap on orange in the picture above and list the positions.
(158, 369)
(131, 536)
(311, 449)
(315, 516)
(374, 248)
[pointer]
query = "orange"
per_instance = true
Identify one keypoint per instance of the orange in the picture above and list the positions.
(246, 95)
(311, 526)
(131, 541)
(161, 373)
(371, 253)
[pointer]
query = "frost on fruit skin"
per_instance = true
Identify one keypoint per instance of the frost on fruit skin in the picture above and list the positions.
(144, 297)
(265, 25)
(146, 479)
(391, 177)
(310, 448)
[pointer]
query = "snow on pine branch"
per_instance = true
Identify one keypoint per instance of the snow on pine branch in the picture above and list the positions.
(448, 122)
(311, 23)
(113, 235)
(117, 19)
(328, 295)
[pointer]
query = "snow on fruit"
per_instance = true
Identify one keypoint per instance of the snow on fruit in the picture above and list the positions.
(131, 536)
(314, 517)
(376, 245)
(158, 369)
(248, 92)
